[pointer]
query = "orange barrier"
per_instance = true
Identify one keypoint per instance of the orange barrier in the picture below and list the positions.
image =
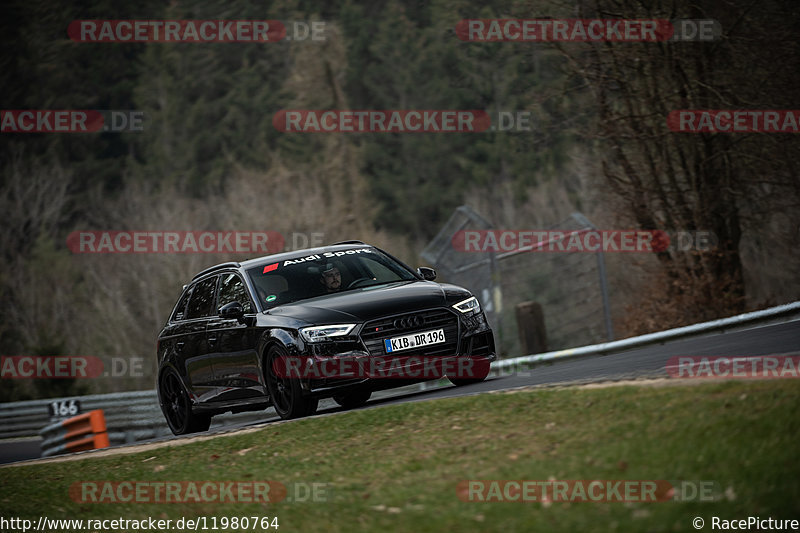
(79, 433)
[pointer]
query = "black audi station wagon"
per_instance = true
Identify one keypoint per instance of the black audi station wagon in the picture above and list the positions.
(286, 330)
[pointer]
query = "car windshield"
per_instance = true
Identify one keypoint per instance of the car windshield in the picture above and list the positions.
(332, 272)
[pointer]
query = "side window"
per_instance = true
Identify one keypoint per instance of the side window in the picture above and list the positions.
(232, 289)
(180, 309)
(202, 299)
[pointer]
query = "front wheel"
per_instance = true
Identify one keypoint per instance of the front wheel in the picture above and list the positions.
(177, 407)
(285, 392)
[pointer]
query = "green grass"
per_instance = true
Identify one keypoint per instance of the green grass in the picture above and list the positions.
(397, 467)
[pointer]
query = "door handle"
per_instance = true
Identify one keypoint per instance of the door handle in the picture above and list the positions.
(212, 340)
(179, 346)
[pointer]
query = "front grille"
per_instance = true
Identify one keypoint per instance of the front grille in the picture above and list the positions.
(376, 331)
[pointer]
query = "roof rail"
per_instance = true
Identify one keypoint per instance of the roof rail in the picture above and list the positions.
(216, 267)
(347, 242)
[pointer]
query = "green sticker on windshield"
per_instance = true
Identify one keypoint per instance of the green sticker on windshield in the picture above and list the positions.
(271, 298)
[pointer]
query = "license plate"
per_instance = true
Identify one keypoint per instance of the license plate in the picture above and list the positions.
(414, 340)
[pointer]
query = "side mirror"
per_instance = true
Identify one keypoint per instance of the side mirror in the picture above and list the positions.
(427, 273)
(231, 310)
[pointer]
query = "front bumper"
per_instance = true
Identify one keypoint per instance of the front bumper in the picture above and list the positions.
(338, 367)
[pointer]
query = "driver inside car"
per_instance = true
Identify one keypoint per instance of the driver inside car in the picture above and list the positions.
(331, 278)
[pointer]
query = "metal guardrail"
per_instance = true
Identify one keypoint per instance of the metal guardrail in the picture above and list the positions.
(133, 416)
(650, 338)
(130, 416)
(25, 419)
(136, 416)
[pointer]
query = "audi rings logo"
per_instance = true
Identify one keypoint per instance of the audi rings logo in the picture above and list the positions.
(409, 322)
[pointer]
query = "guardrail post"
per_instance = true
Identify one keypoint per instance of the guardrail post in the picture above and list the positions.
(79, 433)
(531, 328)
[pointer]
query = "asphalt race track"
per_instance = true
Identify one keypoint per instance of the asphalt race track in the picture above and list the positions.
(648, 361)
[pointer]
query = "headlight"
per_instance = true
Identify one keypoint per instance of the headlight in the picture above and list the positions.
(468, 305)
(326, 333)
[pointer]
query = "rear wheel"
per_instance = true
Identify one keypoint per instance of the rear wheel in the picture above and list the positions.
(468, 374)
(177, 407)
(285, 392)
(353, 399)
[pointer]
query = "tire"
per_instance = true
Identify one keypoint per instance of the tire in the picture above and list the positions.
(353, 399)
(286, 394)
(478, 373)
(177, 407)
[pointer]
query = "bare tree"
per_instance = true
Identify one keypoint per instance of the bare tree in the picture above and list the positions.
(695, 181)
